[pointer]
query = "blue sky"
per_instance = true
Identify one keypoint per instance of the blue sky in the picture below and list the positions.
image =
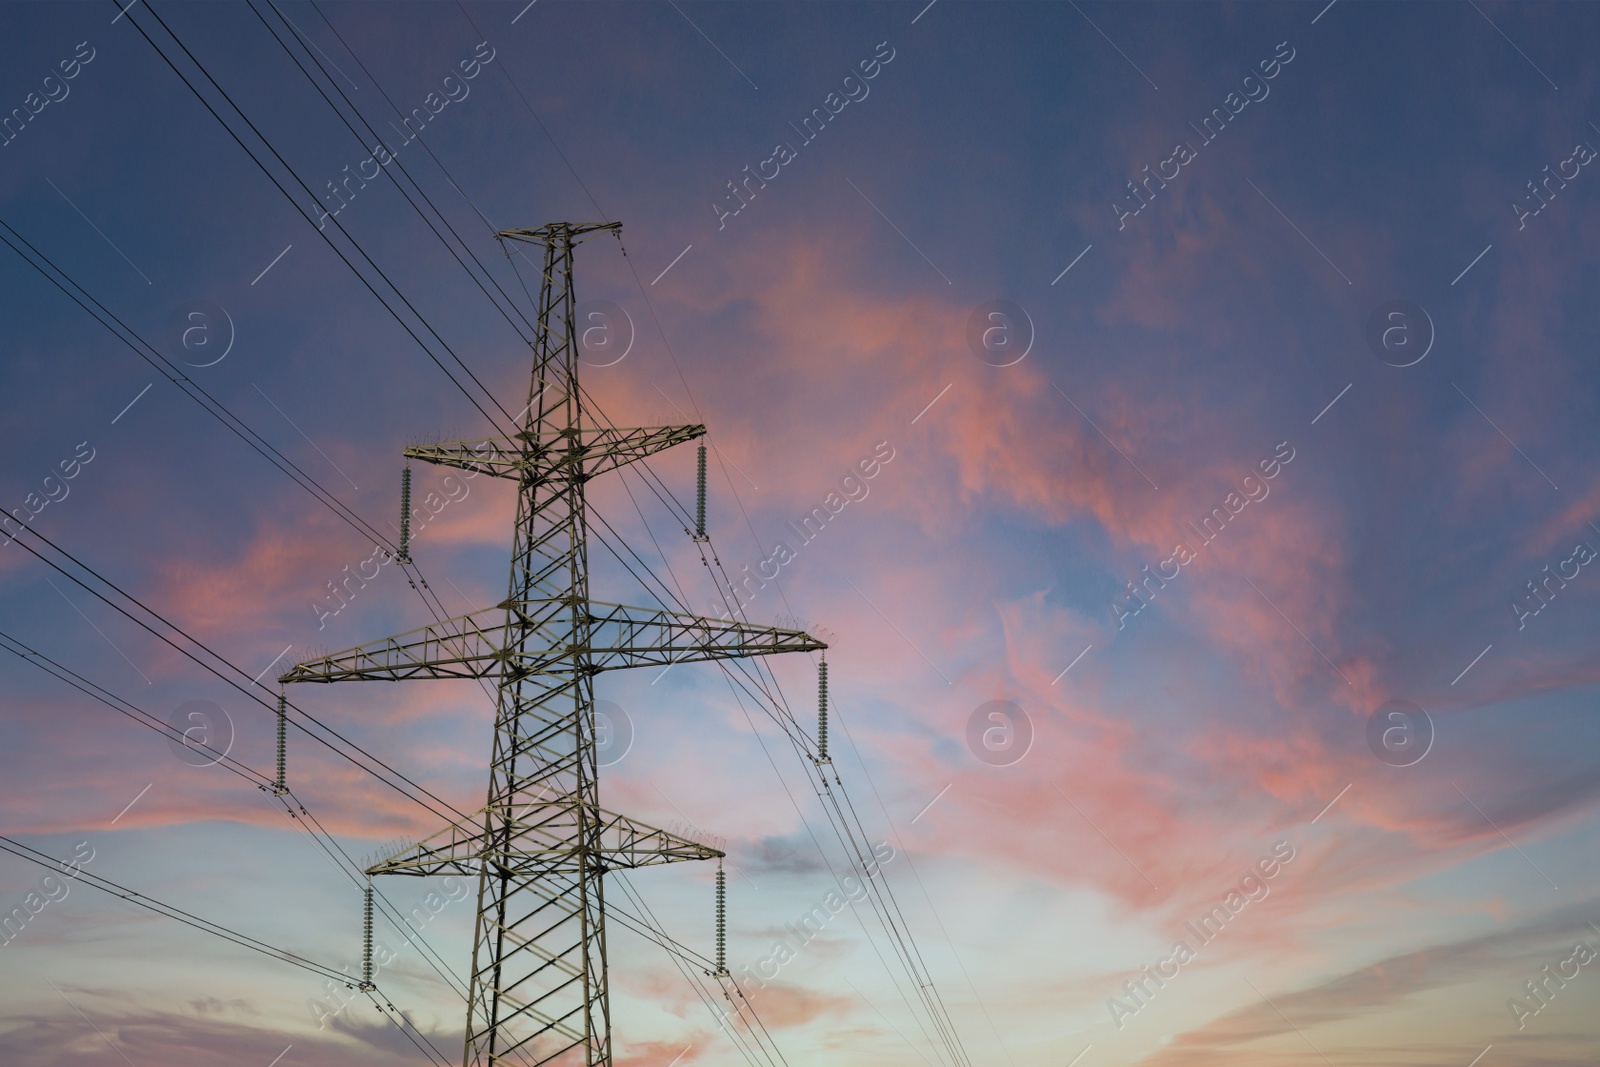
(1387, 158)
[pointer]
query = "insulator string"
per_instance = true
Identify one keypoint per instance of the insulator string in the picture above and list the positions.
(405, 516)
(822, 711)
(281, 786)
(366, 940)
(700, 495)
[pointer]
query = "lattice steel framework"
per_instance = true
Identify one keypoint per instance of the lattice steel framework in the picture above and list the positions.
(542, 844)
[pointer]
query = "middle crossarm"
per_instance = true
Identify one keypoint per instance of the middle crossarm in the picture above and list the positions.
(596, 450)
(471, 646)
(622, 636)
(542, 840)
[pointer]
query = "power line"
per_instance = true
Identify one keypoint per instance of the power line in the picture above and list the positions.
(882, 901)
(777, 703)
(142, 348)
(295, 808)
(888, 909)
(304, 214)
(105, 885)
(246, 691)
(141, 354)
(396, 164)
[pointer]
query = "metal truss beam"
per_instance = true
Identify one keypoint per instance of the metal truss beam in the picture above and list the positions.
(590, 451)
(543, 845)
(472, 645)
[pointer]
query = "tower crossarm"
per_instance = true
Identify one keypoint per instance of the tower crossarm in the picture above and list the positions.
(471, 645)
(467, 646)
(486, 455)
(622, 636)
(590, 451)
(628, 843)
(529, 839)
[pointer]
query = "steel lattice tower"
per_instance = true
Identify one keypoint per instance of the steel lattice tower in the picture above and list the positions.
(542, 844)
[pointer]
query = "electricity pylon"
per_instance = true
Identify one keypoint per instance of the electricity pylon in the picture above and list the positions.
(542, 844)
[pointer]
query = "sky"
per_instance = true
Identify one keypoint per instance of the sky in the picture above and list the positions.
(1210, 646)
